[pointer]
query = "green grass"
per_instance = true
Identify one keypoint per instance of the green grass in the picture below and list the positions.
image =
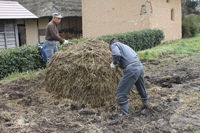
(27, 75)
(183, 47)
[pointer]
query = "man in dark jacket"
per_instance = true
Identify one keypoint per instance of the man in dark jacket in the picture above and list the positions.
(126, 58)
(52, 35)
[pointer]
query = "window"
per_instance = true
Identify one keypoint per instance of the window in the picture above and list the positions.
(167, 1)
(172, 14)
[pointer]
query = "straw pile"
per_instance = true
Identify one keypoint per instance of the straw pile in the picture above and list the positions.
(82, 72)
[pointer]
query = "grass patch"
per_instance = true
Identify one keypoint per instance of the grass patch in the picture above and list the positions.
(184, 47)
(27, 75)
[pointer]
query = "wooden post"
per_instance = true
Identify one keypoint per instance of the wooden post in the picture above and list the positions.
(6, 47)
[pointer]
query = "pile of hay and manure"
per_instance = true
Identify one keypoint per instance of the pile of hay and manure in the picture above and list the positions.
(82, 72)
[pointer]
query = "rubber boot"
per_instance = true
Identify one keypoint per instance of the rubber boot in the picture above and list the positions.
(145, 103)
(125, 109)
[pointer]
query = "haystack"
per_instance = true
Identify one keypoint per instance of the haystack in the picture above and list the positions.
(82, 72)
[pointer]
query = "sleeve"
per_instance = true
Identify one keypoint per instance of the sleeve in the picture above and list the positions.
(54, 35)
(115, 54)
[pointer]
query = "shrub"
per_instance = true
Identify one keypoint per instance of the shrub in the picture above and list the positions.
(138, 40)
(20, 59)
(190, 26)
(28, 57)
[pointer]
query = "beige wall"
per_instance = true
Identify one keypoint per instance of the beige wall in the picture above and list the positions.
(113, 16)
(161, 18)
(42, 24)
(31, 31)
(120, 16)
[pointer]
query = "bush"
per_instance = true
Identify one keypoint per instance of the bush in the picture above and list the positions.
(24, 58)
(138, 40)
(28, 57)
(190, 26)
(20, 59)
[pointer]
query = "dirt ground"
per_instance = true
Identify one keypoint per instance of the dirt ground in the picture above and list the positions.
(173, 86)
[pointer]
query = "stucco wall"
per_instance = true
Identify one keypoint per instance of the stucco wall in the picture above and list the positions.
(113, 16)
(42, 24)
(161, 18)
(31, 32)
(120, 16)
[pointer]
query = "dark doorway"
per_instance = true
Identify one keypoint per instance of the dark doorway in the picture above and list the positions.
(21, 34)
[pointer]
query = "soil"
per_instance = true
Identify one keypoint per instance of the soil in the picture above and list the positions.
(173, 86)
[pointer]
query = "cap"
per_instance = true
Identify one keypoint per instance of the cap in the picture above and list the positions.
(112, 40)
(57, 15)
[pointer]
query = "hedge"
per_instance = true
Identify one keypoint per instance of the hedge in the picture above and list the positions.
(138, 40)
(20, 59)
(28, 57)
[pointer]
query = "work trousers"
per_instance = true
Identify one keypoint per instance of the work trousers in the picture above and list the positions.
(51, 48)
(133, 74)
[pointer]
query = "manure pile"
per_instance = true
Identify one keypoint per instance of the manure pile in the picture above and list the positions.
(82, 72)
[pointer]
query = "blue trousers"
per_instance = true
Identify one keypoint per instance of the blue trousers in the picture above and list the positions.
(133, 75)
(51, 48)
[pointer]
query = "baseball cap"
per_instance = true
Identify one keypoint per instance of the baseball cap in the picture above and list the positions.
(57, 15)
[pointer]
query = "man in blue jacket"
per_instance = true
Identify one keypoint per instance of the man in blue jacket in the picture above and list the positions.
(126, 58)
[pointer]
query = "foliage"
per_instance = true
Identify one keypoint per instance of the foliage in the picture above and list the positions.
(20, 59)
(28, 57)
(138, 40)
(190, 26)
(191, 7)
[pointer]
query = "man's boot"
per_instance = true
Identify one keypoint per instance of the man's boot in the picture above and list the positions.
(125, 109)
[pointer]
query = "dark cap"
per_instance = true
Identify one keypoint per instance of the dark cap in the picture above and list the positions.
(113, 40)
(57, 15)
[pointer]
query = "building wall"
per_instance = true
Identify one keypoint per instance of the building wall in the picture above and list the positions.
(167, 17)
(113, 16)
(42, 25)
(31, 31)
(117, 16)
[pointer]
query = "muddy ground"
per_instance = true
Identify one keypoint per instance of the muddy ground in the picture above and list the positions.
(173, 85)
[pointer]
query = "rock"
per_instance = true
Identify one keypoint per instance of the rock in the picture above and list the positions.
(56, 102)
(16, 95)
(77, 106)
(86, 112)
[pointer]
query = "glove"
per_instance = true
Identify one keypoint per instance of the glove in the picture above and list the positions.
(112, 65)
(66, 42)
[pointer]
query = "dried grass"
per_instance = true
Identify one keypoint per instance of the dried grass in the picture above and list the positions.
(82, 73)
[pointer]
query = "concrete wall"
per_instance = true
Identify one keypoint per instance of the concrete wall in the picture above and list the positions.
(31, 31)
(120, 16)
(167, 17)
(113, 16)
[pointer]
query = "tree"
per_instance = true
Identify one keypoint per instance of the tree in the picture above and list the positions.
(189, 7)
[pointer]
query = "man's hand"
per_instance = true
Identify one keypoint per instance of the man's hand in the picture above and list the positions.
(66, 42)
(112, 65)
